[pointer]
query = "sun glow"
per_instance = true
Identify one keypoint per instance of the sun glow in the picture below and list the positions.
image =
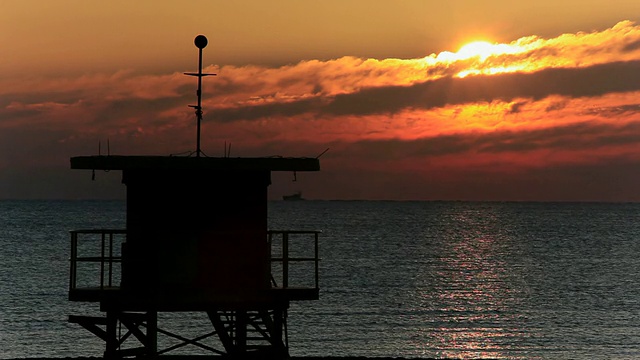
(480, 49)
(485, 55)
(486, 58)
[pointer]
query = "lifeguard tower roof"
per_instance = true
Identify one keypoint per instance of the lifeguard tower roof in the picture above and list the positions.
(115, 162)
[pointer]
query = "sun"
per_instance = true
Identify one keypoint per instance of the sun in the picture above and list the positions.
(481, 49)
(483, 57)
(478, 50)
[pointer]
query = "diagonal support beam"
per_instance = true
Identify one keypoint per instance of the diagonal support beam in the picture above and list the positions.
(91, 323)
(195, 341)
(223, 333)
(134, 327)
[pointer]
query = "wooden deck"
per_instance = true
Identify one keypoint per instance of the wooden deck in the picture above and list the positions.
(183, 301)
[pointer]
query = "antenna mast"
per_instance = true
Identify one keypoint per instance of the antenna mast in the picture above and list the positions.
(200, 42)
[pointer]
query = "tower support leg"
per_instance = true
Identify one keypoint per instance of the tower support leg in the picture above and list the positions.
(276, 331)
(152, 334)
(111, 340)
(241, 331)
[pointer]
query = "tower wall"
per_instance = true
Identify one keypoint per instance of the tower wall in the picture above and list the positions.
(196, 236)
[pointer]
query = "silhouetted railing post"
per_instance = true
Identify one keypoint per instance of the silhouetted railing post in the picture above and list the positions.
(73, 265)
(317, 260)
(285, 259)
(102, 260)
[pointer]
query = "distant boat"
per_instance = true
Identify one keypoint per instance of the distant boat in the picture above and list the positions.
(293, 197)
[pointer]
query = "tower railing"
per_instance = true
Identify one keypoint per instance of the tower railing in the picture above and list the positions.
(98, 244)
(99, 251)
(290, 248)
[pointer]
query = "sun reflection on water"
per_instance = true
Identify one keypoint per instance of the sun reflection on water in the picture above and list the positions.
(475, 287)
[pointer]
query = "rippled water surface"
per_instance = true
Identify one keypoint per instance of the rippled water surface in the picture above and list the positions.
(412, 279)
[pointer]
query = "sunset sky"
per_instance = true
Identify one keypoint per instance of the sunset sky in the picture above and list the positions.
(543, 105)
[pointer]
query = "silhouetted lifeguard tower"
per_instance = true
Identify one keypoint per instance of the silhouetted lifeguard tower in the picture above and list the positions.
(196, 241)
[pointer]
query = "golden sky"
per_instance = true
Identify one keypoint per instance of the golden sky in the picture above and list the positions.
(542, 105)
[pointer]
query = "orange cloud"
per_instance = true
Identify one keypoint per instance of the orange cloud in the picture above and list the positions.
(528, 105)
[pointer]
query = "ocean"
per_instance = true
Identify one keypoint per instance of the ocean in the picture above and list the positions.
(398, 279)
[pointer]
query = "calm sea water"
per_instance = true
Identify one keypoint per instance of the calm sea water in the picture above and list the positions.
(398, 279)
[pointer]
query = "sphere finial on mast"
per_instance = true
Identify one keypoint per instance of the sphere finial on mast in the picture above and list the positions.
(201, 41)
